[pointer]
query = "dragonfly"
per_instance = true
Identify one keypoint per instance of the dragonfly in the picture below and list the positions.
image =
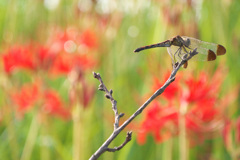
(179, 48)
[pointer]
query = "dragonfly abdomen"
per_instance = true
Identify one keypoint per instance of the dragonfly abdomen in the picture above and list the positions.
(162, 44)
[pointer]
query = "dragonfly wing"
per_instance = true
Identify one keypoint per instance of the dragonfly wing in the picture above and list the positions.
(171, 51)
(196, 43)
(176, 53)
(203, 54)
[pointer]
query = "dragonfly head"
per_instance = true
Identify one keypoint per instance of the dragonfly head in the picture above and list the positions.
(187, 42)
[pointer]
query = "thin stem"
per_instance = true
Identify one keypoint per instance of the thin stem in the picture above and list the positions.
(45, 152)
(32, 135)
(167, 149)
(77, 113)
(231, 148)
(76, 133)
(12, 140)
(182, 132)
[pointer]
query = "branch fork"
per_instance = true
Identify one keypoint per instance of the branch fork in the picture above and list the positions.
(117, 128)
(109, 96)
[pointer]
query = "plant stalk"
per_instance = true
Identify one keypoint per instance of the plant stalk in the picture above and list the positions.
(32, 135)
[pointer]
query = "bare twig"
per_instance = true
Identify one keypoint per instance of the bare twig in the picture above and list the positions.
(117, 129)
(108, 95)
(128, 138)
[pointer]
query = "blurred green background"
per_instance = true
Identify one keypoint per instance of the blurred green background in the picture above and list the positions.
(50, 107)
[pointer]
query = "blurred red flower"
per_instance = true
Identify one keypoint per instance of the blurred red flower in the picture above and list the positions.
(156, 121)
(201, 115)
(89, 38)
(44, 57)
(30, 95)
(57, 53)
(63, 53)
(59, 39)
(66, 62)
(171, 91)
(18, 57)
(200, 89)
(53, 105)
(26, 97)
(62, 65)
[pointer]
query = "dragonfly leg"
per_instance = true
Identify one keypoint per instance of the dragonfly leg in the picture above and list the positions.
(178, 50)
(186, 51)
(179, 53)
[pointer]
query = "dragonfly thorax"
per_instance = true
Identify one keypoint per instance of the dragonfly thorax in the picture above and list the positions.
(179, 41)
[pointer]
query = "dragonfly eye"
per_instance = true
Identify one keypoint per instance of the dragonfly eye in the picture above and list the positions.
(188, 42)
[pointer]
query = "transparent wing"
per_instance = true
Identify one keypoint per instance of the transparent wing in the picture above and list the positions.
(175, 53)
(203, 47)
(204, 54)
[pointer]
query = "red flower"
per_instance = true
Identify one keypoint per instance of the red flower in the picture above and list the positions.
(62, 65)
(52, 104)
(156, 119)
(58, 40)
(66, 62)
(89, 39)
(171, 91)
(30, 95)
(205, 110)
(27, 97)
(18, 57)
(198, 105)
(45, 57)
(56, 51)
(83, 62)
(197, 89)
(60, 37)
(202, 88)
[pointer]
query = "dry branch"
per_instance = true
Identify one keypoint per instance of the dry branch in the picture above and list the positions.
(117, 128)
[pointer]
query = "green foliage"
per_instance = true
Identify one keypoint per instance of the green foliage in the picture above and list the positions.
(119, 27)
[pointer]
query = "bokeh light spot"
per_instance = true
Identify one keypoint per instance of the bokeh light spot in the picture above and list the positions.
(133, 31)
(70, 46)
(51, 4)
